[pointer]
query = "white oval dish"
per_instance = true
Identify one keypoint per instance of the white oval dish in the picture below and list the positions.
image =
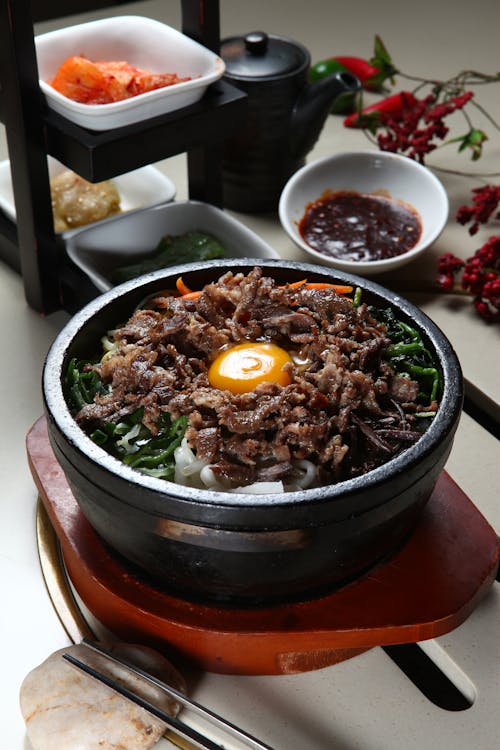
(123, 239)
(141, 188)
(392, 175)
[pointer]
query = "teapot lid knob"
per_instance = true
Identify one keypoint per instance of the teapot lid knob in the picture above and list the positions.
(256, 56)
(256, 42)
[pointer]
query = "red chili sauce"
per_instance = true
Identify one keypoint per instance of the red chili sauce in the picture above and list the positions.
(359, 226)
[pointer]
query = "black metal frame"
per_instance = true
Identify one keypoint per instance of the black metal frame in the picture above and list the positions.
(30, 246)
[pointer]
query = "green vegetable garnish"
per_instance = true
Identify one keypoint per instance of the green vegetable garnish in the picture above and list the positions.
(128, 440)
(81, 386)
(172, 250)
(408, 356)
(357, 297)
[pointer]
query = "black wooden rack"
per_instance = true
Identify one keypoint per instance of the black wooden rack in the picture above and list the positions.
(33, 131)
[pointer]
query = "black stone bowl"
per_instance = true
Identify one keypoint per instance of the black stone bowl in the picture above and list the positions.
(240, 548)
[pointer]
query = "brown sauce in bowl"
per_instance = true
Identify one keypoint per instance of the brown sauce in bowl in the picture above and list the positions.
(360, 226)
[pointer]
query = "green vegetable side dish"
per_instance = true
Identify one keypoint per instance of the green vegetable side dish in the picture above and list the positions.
(172, 250)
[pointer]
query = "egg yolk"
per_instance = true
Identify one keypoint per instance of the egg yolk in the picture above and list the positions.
(244, 366)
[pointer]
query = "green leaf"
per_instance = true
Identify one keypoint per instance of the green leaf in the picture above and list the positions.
(380, 52)
(99, 436)
(382, 60)
(370, 121)
(472, 140)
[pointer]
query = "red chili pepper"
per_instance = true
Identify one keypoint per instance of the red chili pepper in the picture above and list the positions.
(368, 74)
(391, 106)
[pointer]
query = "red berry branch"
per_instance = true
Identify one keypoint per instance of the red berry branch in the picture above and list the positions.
(485, 202)
(480, 273)
(412, 123)
(480, 277)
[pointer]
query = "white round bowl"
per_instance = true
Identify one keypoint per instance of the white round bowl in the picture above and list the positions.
(381, 172)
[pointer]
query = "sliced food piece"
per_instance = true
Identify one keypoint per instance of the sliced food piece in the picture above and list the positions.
(104, 82)
(76, 202)
(64, 708)
(83, 81)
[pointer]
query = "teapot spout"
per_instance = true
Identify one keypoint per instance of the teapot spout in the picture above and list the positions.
(313, 106)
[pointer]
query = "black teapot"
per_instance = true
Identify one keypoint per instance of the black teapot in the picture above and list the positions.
(284, 118)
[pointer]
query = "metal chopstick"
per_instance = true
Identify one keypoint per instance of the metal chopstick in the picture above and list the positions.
(189, 733)
(182, 729)
(205, 713)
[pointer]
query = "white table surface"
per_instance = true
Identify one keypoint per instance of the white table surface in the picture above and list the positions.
(366, 702)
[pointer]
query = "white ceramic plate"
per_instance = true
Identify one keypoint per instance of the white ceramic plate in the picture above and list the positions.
(142, 42)
(138, 189)
(393, 175)
(124, 239)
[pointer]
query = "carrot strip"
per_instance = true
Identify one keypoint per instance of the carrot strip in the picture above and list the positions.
(294, 284)
(339, 288)
(181, 287)
(336, 287)
(191, 295)
(187, 293)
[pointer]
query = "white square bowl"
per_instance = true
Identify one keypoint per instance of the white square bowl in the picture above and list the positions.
(142, 42)
(141, 188)
(101, 248)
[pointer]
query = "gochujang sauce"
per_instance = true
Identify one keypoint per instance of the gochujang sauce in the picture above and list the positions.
(358, 226)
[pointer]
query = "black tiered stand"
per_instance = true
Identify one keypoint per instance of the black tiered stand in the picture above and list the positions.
(29, 245)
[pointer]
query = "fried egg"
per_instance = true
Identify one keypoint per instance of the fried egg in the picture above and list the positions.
(241, 368)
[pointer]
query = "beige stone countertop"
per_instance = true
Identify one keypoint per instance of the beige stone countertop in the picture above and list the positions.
(364, 703)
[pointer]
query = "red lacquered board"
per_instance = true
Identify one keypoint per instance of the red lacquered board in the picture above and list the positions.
(426, 589)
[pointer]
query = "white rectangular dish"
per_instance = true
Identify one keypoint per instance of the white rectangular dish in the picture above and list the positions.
(141, 188)
(99, 249)
(141, 42)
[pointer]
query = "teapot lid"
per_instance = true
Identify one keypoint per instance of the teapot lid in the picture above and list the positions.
(261, 55)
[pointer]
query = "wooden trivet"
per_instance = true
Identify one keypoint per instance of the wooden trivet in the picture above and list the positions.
(426, 589)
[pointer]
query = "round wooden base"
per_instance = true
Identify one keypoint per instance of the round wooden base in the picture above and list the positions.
(425, 590)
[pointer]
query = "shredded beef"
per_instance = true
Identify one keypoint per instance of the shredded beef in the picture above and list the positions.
(403, 389)
(345, 409)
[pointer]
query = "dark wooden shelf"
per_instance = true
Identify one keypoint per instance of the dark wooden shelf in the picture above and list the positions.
(100, 155)
(9, 249)
(30, 245)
